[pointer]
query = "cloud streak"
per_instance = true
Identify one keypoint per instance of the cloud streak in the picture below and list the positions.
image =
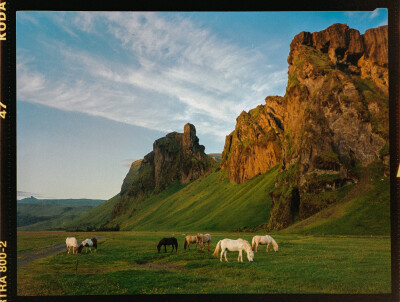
(174, 71)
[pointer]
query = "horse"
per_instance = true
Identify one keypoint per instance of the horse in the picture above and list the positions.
(234, 246)
(71, 243)
(168, 241)
(204, 239)
(262, 240)
(88, 243)
(189, 240)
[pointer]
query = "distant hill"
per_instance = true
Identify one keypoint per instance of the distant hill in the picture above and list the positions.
(50, 214)
(65, 202)
(216, 156)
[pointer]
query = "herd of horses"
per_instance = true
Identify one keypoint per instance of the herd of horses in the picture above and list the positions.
(224, 245)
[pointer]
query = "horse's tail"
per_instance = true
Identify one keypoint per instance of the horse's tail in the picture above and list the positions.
(185, 245)
(217, 249)
(253, 244)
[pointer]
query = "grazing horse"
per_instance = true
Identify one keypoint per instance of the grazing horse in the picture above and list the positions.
(263, 240)
(88, 243)
(189, 240)
(204, 239)
(234, 246)
(71, 243)
(168, 241)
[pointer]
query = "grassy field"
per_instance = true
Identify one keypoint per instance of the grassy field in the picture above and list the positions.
(128, 263)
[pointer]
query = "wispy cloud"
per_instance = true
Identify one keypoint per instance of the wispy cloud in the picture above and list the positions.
(374, 14)
(173, 71)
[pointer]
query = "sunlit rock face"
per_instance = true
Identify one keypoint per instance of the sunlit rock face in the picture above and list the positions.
(332, 120)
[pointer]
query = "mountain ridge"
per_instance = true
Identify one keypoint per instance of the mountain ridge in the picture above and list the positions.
(331, 122)
(319, 139)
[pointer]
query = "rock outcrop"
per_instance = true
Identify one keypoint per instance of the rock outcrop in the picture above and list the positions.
(177, 157)
(332, 121)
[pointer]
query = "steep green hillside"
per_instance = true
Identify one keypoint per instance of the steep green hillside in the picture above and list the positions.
(95, 218)
(214, 204)
(208, 203)
(365, 210)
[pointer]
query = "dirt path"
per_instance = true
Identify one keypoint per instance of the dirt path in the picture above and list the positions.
(23, 258)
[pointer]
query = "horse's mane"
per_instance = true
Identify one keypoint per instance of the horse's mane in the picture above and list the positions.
(245, 243)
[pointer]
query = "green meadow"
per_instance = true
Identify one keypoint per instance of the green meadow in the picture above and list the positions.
(128, 263)
(343, 249)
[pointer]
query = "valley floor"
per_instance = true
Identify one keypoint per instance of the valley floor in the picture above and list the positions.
(128, 263)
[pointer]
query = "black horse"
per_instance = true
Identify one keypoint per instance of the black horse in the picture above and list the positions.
(168, 241)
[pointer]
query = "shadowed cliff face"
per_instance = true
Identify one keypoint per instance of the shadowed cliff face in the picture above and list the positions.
(332, 121)
(177, 157)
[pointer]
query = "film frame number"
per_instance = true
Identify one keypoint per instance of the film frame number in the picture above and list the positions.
(3, 112)
(3, 257)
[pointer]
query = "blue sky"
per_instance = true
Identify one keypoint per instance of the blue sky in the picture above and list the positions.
(95, 89)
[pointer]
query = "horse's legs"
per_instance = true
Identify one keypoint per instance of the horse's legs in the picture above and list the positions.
(256, 246)
(267, 247)
(165, 247)
(208, 245)
(225, 252)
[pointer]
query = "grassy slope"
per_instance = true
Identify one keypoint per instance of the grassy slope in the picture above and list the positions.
(97, 216)
(205, 204)
(366, 213)
(209, 204)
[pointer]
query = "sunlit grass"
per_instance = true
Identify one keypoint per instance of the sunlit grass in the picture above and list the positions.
(128, 263)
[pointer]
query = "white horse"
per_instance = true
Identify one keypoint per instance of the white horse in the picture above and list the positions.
(234, 246)
(71, 243)
(88, 243)
(203, 239)
(263, 240)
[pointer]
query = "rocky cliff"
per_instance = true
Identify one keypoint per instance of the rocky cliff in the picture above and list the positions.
(177, 157)
(332, 122)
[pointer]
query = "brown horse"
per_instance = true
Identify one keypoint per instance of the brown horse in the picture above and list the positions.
(204, 239)
(189, 240)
